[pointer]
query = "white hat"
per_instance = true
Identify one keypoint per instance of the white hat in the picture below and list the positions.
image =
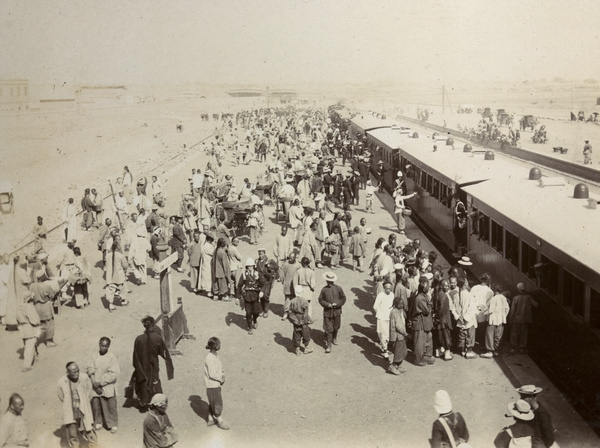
(529, 389)
(399, 173)
(465, 261)
(428, 275)
(329, 276)
(250, 262)
(398, 266)
(521, 410)
(442, 403)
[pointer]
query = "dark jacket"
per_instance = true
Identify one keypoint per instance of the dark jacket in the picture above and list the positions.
(421, 316)
(332, 299)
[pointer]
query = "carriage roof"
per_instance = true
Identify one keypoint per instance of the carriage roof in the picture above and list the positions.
(456, 166)
(551, 213)
(365, 121)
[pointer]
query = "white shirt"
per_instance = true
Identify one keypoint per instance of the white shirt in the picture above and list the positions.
(383, 305)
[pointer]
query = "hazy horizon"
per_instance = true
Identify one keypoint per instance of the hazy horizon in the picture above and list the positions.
(297, 42)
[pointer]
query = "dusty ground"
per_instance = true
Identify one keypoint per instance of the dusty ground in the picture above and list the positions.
(272, 397)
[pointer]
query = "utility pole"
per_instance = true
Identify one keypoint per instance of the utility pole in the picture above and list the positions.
(443, 99)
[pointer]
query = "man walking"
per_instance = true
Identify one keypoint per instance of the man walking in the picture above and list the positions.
(75, 392)
(146, 350)
(214, 378)
(104, 370)
(305, 277)
(332, 299)
(300, 320)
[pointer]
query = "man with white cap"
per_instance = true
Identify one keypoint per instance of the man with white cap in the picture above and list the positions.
(450, 429)
(543, 430)
(158, 429)
(519, 433)
(520, 317)
(332, 299)
(249, 289)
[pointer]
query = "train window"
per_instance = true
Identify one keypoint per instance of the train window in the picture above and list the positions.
(497, 236)
(481, 225)
(528, 259)
(436, 189)
(594, 309)
(573, 293)
(549, 276)
(512, 249)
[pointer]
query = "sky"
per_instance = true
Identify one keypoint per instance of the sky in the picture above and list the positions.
(285, 42)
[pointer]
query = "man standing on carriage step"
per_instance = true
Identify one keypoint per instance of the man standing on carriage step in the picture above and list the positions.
(332, 299)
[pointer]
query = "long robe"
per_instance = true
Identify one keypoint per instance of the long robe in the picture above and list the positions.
(146, 350)
(205, 282)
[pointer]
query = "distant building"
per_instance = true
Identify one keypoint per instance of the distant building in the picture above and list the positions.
(245, 92)
(102, 95)
(14, 94)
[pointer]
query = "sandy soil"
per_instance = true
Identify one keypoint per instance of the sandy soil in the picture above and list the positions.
(272, 398)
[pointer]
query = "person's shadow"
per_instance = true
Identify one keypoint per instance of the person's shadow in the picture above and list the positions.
(364, 300)
(61, 434)
(287, 343)
(237, 319)
(199, 406)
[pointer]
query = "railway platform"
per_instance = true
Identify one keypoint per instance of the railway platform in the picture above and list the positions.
(273, 398)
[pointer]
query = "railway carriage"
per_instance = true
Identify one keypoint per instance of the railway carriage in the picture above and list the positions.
(547, 238)
(363, 122)
(518, 231)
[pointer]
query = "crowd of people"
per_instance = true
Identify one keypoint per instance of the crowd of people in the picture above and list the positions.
(419, 308)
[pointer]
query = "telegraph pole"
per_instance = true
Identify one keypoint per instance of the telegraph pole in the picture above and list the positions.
(443, 99)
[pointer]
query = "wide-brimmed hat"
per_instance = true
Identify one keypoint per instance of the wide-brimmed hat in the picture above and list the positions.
(465, 261)
(521, 410)
(381, 161)
(428, 276)
(329, 277)
(249, 262)
(398, 266)
(529, 389)
(442, 403)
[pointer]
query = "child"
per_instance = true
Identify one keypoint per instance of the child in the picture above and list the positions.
(369, 194)
(363, 231)
(334, 244)
(253, 220)
(357, 249)
(298, 316)
(397, 344)
(214, 378)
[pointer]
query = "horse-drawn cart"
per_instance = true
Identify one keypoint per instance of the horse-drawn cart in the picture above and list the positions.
(6, 197)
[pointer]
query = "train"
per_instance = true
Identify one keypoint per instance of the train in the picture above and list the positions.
(522, 227)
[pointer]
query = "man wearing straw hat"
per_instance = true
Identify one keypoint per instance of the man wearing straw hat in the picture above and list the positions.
(519, 433)
(332, 299)
(543, 430)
